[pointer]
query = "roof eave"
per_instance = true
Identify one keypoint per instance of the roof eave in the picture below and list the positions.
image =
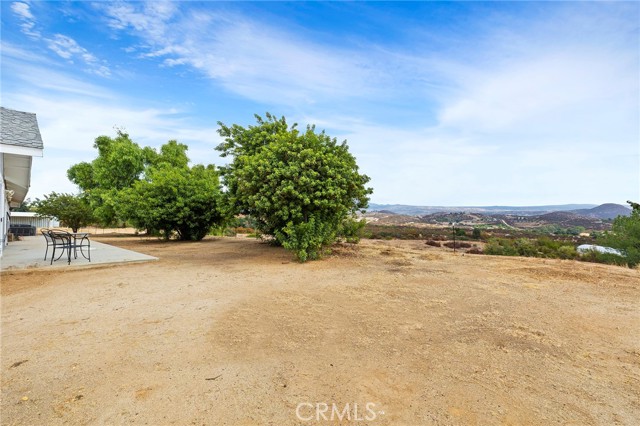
(21, 150)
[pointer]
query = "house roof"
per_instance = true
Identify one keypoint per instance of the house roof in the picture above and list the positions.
(20, 129)
(20, 141)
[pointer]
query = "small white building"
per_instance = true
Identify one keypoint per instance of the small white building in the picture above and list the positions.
(33, 219)
(20, 141)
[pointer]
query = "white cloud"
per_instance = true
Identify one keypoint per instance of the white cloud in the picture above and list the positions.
(64, 46)
(432, 167)
(37, 74)
(254, 60)
(553, 93)
(10, 50)
(28, 25)
(67, 48)
(542, 111)
(150, 18)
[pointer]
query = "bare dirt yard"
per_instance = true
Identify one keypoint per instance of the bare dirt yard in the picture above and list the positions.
(231, 331)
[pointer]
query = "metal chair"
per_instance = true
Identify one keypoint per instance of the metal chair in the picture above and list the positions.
(66, 241)
(47, 237)
(62, 241)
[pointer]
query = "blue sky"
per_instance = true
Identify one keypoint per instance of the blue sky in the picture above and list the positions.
(463, 103)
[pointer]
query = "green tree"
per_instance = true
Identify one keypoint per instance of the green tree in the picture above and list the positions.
(299, 186)
(173, 199)
(120, 163)
(625, 235)
(72, 210)
(172, 153)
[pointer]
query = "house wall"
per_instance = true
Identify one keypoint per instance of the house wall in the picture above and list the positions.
(4, 209)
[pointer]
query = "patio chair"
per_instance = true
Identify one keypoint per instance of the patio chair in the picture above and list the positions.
(47, 237)
(66, 241)
(61, 241)
(81, 241)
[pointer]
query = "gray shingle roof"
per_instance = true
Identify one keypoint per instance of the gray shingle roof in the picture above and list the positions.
(19, 129)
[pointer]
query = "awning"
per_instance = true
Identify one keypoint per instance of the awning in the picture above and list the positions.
(17, 176)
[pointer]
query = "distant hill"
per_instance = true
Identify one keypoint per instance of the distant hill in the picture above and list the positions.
(595, 219)
(526, 210)
(604, 211)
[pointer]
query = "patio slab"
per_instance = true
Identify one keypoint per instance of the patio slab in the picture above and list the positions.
(28, 253)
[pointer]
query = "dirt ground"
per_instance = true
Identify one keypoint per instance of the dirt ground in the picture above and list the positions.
(230, 331)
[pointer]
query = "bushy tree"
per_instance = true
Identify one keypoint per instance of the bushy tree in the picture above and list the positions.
(625, 235)
(175, 200)
(299, 186)
(120, 163)
(152, 190)
(72, 210)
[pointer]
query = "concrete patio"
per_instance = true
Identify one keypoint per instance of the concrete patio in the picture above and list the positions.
(28, 253)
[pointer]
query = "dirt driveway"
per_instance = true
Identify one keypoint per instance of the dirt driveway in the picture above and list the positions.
(232, 331)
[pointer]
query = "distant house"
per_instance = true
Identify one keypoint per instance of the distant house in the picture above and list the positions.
(20, 141)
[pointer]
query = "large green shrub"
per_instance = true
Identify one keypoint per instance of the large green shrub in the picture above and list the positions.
(180, 201)
(152, 190)
(299, 186)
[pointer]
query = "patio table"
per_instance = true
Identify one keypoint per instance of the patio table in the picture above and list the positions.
(71, 241)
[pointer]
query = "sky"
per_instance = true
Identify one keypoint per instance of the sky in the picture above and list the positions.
(441, 103)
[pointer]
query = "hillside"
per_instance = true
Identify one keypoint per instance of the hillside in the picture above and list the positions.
(522, 210)
(605, 211)
(562, 219)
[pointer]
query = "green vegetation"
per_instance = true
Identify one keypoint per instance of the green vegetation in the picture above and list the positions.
(459, 232)
(72, 210)
(609, 258)
(559, 230)
(301, 187)
(119, 164)
(476, 234)
(625, 235)
(174, 200)
(155, 191)
(540, 247)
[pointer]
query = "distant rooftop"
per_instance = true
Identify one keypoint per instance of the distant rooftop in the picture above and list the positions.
(19, 129)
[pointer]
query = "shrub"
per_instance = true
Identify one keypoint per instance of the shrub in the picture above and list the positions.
(300, 187)
(459, 232)
(525, 247)
(179, 201)
(457, 245)
(433, 243)
(306, 239)
(352, 230)
(567, 252)
(500, 247)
